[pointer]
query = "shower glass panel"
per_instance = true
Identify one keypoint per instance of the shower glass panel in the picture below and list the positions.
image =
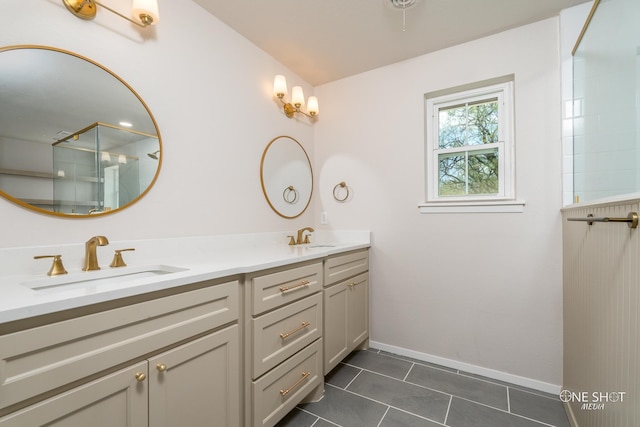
(97, 169)
(606, 82)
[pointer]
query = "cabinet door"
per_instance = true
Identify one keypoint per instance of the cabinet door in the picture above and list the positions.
(346, 318)
(335, 326)
(118, 399)
(198, 383)
(357, 310)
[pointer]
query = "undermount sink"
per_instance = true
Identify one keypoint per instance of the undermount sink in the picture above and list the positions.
(111, 276)
(319, 245)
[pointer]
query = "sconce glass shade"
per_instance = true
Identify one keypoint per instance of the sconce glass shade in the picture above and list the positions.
(280, 86)
(146, 11)
(312, 106)
(297, 96)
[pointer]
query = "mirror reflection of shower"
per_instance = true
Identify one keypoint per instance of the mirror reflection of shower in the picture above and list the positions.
(155, 155)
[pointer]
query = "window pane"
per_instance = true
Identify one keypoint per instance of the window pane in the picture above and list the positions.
(483, 172)
(451, 171)
(482, 122)
(452, 126)
(468, 124)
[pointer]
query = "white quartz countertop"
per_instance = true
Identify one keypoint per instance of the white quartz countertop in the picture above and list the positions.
(26, 291)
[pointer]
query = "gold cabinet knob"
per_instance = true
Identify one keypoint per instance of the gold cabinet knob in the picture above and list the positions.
(141, 376)
(161, 367)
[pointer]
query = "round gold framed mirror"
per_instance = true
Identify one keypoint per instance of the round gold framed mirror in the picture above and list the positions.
(286, 177)
(76, 140)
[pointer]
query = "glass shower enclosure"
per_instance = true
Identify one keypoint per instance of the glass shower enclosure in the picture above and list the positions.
(606, 102)
(96, 169)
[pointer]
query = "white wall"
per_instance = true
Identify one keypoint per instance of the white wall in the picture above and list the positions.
(483, 290)
(210, 92)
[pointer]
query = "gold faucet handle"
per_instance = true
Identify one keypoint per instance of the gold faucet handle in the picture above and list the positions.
(292, 240)
(118, 261)
(306, 239)
(56, 268)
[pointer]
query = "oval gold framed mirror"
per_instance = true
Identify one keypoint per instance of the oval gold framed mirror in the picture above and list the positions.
(286, 177)
(76, 140)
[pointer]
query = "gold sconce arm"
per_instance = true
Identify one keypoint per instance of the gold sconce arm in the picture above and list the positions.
(86, 9)
(290, 109)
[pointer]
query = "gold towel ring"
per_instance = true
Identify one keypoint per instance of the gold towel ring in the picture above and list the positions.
(336, 190)
(290, 195)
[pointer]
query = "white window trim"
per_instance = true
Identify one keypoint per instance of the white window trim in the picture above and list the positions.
(505, 201)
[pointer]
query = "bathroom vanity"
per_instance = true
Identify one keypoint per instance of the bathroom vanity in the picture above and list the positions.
(240, 340)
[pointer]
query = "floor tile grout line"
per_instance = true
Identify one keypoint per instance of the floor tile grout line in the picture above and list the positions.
(416, 385)
(515, 414)
(542, 423)
(384, 404)
(463, 373)
(354, 378)
(451, 396)
(508, 411)
(448, 409)
(421, 363)
(513, 386)
(393, 378)
(318, 417)
(408, 372)
(443, 369)
(383, 415)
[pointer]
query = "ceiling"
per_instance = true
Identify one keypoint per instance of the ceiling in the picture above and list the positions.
(326, 40)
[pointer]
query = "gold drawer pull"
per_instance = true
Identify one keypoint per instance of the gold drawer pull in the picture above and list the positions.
(299, 285)
(141, 376)
(161, 367)
(352, 285)
(304, 377)
(299, 328)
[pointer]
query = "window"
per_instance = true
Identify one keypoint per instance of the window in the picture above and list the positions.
(469, 149)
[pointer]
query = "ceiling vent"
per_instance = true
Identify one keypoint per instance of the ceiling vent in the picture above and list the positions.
(402, 4)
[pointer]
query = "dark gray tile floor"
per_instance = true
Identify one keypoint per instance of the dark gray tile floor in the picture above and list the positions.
(376, 389)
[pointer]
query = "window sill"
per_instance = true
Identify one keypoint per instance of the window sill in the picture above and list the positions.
(493, 206)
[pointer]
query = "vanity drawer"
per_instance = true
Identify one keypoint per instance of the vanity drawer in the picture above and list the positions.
(272, 290)
(280, 390)
(40, 359)
(283, 332)
(342, 267)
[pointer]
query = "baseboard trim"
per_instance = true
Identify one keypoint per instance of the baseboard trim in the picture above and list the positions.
(472, 369)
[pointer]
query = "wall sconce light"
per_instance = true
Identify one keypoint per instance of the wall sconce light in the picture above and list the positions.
(297, 99)
(144, 11)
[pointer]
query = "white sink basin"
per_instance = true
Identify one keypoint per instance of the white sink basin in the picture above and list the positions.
(111, 276)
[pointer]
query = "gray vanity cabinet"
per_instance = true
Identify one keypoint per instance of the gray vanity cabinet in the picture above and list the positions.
(168, 361)
(283, 341)
(346, 306)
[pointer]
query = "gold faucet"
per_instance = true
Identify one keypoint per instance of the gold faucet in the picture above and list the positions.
(90, 256)
(300, 240)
